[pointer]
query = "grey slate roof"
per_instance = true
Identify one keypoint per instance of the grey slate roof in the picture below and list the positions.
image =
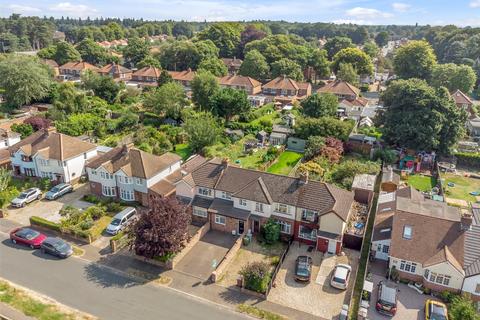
(226, 208)
(471, 262)
(202, 202)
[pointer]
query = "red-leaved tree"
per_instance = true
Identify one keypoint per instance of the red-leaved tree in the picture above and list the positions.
(38, 123)
(162, 230)
(332, 150)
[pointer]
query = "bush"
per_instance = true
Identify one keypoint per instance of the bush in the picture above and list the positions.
(364, 87)
(468, 159)
(91, 198)
(86, 224)
(271, 231)
(34, 220)
(95, 212)
(166, 257)
(256, 276)
(114, 207)
(275, 261)
(8, 195)
(45, 184)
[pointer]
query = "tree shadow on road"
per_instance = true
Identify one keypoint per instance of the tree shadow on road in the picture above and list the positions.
(109, 277)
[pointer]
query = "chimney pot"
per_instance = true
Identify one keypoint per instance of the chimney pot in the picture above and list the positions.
(466, 220)
(225, 162)
(304, 177)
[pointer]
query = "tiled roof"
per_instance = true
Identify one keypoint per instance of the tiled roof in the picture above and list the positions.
(134, 162)
(52, 145)
(461, 98)
(78, 66)
(472, 245)
(186, 75)
(147, 72)
(114, 68)
(282, 83)
(232, 62)
(50, 62)
(340, 88)
(443, 255)
(237, 80)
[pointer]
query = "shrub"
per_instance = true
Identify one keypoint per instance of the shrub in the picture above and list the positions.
(271, 231)
(68, 211)
(114, 207)
(7, 195)
(95, 212)
(468, 159)
(275, 261)
(86, 224)
(45, 184)
(256, 276)
(91, 198)
(34, 220)
(166, 257)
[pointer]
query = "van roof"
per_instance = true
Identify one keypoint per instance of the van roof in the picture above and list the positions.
(124, 212)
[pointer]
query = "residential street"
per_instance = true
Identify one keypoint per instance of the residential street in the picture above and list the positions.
(99, 290)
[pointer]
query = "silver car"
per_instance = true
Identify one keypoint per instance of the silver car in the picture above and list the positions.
(120, 220)
(340, 277)
(26, 197)
(58, 191)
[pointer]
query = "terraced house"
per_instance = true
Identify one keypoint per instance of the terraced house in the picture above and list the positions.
(236, 200)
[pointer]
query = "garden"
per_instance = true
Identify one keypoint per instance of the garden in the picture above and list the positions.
(285, 163)
(461, 187)
(11, 187)
(421, 182)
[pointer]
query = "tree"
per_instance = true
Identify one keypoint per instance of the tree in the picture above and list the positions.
(162, 230)
(204, 87)
(103, 86)
(359, 35)
(24, 129)
(256, 276)
(164, 78)
(371, 49)
(416, 59)
(462, 308)
(202, 130)
(149, 61)
(454, 77)
(314, 146)
(254, 65)
(168, 100)
(225, 35)
(181, 55)
(150, 140)
(24, 79)
(182, 29)
(356, 57)
(346, 72)
(287, 67)
(421, 117)
(136, 50)
(271, 231)
(332, 150)
(93, 53)
(320, 105)
(214, 65)
(381, 39)
(335, 44)
(38, 122)
(228, 102)
(319, 62)
(249, 34)
(65, 52)
(324, 127)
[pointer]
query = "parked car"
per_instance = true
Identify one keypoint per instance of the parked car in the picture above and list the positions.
(56, 247)
(386, 299)
(340, 276)
(26, 197)
(435, 310)
(303, 268)
(120, 220)
(58, 191)
(27, 236)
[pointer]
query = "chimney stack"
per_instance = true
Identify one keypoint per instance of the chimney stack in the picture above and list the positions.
(225, 162)
(466, 220)
(304, 177)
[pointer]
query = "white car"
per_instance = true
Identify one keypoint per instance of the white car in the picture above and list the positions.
(26, 197)
(340, 277)
(120, 220)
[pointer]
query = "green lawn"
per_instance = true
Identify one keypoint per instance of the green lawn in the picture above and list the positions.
(462, 186)
(285, 162)
(422, 183)
(183, 150)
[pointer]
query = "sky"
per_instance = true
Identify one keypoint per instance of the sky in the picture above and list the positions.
(433, 12)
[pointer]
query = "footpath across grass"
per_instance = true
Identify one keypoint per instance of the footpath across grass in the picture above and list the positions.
(285, 162)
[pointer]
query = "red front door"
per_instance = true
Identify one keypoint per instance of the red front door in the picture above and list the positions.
(322, 245)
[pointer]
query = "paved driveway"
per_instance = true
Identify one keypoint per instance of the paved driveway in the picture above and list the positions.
(316, 297)
(410, 302)
(48, 209)
(202, 260)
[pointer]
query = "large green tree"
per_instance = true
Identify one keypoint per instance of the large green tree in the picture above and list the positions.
(214, 65)
(421, 117)
(287, 67)
(24, 79)
(320, 105)
(356, 57)
(202, 130)
(416, 59)
(204, 86)
(320, 64)
(335, 44)
(324, 127)
(136, 50)
(103, 86)
(168, 100)
(462, 308)
(454, 77)
(255, 65)
(346, 72)
(381, 39)
(65, 52)
(93, 53)
(228, 102)
(225, 35)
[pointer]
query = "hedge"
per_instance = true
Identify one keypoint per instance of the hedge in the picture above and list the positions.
(468, 159)
(34, 220)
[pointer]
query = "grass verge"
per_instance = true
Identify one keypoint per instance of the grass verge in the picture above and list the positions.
(77, 251)
(258, 313)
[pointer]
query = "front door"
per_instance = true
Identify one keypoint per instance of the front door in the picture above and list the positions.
(241, 226)
(256, 226)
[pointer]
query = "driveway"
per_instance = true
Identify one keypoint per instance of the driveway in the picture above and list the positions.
(410, 302)
(317, 297)
(205, 256)
(49, 209)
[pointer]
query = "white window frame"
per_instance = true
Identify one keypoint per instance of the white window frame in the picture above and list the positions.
(127, 195)
(285, 227)
(408, 266)
(281, 208)
(407, 232)
(312, 236)
(258, 206)
(205, 191)
(309, 213)
(242, 202)
(226, 195)
(220, 219)
(199, 213)
(109, 191)
(138, 181)
(386, 248)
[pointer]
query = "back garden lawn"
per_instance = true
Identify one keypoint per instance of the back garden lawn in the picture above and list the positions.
(422, 183)
(285, 162)
(462, 186)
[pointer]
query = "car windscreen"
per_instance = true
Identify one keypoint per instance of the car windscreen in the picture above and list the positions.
(438, 313)
(22, 195)
(28, 234)
(338, 280)
(55, 189)
(303, 269)
(115, 222)
(60, 245)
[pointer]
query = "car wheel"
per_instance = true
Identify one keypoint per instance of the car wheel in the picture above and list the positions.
(32, 246)
(14, 241)
(39, 197)
(23, 204)
(43, 251)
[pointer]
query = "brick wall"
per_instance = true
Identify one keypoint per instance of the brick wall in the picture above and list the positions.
(230, 224)
(96, 188)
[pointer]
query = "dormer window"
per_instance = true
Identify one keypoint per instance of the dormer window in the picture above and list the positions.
(407, 232)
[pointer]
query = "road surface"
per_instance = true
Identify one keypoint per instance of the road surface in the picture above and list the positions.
(100, 291)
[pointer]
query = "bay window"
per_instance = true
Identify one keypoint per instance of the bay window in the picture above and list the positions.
(307, 233)
(408, 266)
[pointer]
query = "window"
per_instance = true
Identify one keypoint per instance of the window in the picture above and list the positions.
(44, 162)
(127, 195)
(94, 172)
(438, 278)
(407, 232)
(385, 249)
(285, 227)
(259, 207)
(138, 181)
(220, 219)
(242, 202)
(408, 266)
(205, 191)
(281, 208)
(226, 195)
(477, 288)
(308, 215)
(307, 233)
(120, 179)
(106, 175)
(128, 180)
(379, 247)
(199, 212)
(108, 191)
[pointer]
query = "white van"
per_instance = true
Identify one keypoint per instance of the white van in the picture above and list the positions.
(120, 220)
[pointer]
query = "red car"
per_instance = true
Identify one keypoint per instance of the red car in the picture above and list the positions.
(27, 236)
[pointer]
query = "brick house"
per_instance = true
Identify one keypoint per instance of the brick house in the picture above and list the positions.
(117, 72)
(236, 200)
(247, 84)
(463, 101)
(183, 77)
(73, 70)
(48, 154)
(285, 90)
(233, 65)
(147, 75)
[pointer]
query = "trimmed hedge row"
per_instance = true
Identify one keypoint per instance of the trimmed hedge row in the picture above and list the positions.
(468, 159)
(34, 220)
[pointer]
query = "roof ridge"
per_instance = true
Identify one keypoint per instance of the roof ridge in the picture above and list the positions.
(265, 190)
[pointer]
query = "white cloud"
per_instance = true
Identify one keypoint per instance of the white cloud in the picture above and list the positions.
(475, 4)
(16, 8)
(400, 6)
(367, 13)
(74, 10)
